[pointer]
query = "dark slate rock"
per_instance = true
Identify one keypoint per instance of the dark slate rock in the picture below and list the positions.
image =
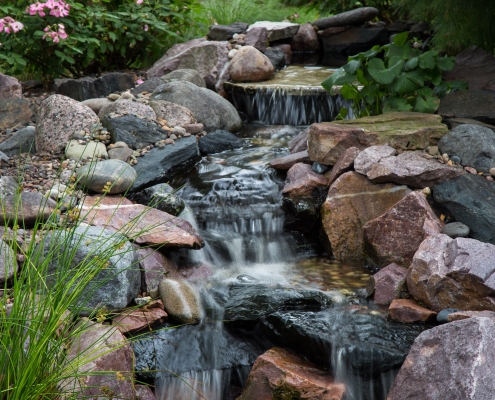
(251, 302)
(135, 132)
(302, 213)
(15, 111)
(400, 26)
(184, 74)
(469, 104)
(163, 197)
(455, 230)
(113, 287)
(354, 40)
(353, 17)
(320, 168)
(443, 316)
(21, 141)
(471, 200)
(148, 85)
(367, 345)
(209, 108)
(225, 32)
(90, 88)
(218, 141)
(276, 56)
(162, 164)
(473, 144)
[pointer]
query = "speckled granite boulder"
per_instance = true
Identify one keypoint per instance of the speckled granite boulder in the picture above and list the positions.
(58, 118)
(127, 107)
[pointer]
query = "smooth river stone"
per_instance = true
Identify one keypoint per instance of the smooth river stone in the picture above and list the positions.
(285, 163)
(180, 300)
(96, 176)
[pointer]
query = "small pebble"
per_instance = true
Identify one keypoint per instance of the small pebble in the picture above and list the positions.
(471, 170)
(433, 150)
(232, 53)
(455, 230)
(445, 157)
(173, 137)
(426, 191)
(443, 316)
(169, 141)
(456, 159)
(489, 178)
(492, 171)
(113, 96)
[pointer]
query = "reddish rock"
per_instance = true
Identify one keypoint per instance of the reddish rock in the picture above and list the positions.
(412, 169)
(286, 162)
(194, 128)
(352, 201)
(250, 65)
(142, 319)
(287, 50)
(460, 315)
(450, 361)
(279, 373)
(9, 87)
(344, 164)
(59, 117)
(387, 284)
(453, 273)
(396, 235)
(206, 57)
(328, 141)
(154, 266)
(409, 311)
(148, 226)
(144, 393)
(370, 156)
(257, 37)
(103, 349)
(302, 180)
(300, 142)
(28, 208)
(306, 39)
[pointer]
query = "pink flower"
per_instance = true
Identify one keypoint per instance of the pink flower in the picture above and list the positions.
(145, 28)
(57, 8)
(55, 35)
(139, 1)
(9, 24)
(139, 81)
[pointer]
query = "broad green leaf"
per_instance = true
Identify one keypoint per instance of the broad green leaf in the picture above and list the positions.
(411, 64)
(112, 36)
(426, 105)
(103, 46)
(60, 54)
(383, 75)
(360, 77)
(401, 38)
(369, 92)
(427, 60)
(342, 114)
(372, 52)
(349, 92)
(404, 52)
(445, 63)
(339, 77)
(426, 92)
(405, 83)
(352, 66)
(397, 104)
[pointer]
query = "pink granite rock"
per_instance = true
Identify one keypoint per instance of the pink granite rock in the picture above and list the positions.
(302, 180)
(344, 164)
(130, 322)
(388, 283)
(409, 311)
(9, 87)
(286, 162)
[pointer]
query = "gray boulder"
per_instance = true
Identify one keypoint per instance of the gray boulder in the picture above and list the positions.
(185, 74)
(469, 104)
(451, 361)
(353, 17)
(21, 141)
(225, 32)
(26, 209)
(148, 86)
(471, 200)
(276, 30)
(115, 286)
(473, 144)
(109, 176)
(162, 197)
(8, 262)
(127, 107)
(209, 108)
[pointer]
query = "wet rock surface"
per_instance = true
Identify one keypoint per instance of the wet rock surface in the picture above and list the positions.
(287, 162)
(409, 311)
(218, 141)
(163, 197)
(445, 362)
(453, 273)
(387, 284)
(180, 300)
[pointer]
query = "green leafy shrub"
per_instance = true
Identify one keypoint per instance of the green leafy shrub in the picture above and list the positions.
(95, 35)
(406, 79)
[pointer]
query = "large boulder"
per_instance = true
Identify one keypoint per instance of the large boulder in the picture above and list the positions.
(451, 361)
(353, 17)
(26, 209)
(279, 373)
(59, 117)
(109, 176)
(471, 200)
(144, 225)
(453, 273)
(103, 362)
(473, 144)
(134, 131)
(250, 65)
(90, 88)
(400, 130)
(225, 32)
(21, 141)
(276, 30)
(210, 109)
(184, 74)
(174, 114)
(306, 39)
(14, 112)
(127, 107)
(114, 286)
(352, 201)
(9, 87)
(394, 236)
(469, 104)
(162, 164)
(208, 58)
(474, 66)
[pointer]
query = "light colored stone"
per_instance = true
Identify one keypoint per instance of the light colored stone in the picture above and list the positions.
(109, 176)
(97, 104)
(77, 151)
(276, 30)
(250, 65)
(180, 300)
(370, 156)
(129, 107)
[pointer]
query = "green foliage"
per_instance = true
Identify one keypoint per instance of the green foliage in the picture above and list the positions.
(406, 79)
(457, 24)
(102, 35)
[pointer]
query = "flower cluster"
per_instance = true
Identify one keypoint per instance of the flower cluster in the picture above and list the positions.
(10, 25)
(55, 35)
(57, 8)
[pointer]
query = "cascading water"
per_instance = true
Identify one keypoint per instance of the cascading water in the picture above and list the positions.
(234, 202)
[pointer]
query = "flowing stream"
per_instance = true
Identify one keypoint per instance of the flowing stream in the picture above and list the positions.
(234, 201)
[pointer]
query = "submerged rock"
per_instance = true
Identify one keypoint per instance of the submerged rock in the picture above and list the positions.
(163, 197)
(217, 141)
